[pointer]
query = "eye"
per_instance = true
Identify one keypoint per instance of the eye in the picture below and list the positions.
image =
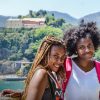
(56, 57)
(63, 57)
(91, 46)
(81, 47)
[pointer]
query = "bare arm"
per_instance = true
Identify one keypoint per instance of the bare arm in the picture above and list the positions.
(37, 85)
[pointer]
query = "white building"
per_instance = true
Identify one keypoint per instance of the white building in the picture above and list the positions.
(25, 22)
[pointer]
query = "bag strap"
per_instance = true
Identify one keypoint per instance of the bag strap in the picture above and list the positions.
(97, 66)
(54, 79)
(68, 70)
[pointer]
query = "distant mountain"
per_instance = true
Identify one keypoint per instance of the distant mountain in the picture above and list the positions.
(65, 16)
(95, 17)
(3, 20)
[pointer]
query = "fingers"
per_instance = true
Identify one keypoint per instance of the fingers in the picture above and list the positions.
(7, 91)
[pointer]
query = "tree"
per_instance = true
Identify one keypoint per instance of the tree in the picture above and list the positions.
(19, 16)
(60, 22)
(29, 52)
(31, 13)
(48, 30)
(57, 23)
(47, 20)
(41, 13)
(97, 54)
(52, 14)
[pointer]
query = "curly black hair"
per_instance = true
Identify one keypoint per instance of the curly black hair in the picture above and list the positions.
(72, 36)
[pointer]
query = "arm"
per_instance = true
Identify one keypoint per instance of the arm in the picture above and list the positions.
(37, 85)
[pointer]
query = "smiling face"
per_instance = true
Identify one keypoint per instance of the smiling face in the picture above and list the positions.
(85, 48)
(57, 56)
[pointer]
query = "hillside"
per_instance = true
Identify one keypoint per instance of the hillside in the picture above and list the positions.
(3, 20)
(65, 16)
(69, 19)
(95, 17)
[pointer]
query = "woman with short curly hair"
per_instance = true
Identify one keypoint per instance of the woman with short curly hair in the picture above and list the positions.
(82, 71)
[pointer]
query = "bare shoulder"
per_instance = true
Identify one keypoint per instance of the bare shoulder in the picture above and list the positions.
(40, 75)
(41, 72)
(37, 85)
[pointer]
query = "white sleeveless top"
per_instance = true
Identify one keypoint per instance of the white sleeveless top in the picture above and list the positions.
(82, 85)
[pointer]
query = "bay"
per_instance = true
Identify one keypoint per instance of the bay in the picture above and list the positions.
(15, 85)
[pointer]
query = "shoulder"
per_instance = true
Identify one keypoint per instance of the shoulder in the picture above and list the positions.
(37, 84)
(39, 78)
(97, 62)
(41, 71)
(40, 74)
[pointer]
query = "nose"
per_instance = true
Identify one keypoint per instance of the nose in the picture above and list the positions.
(87, 49)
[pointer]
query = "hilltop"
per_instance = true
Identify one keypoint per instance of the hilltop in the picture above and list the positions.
(68, 18)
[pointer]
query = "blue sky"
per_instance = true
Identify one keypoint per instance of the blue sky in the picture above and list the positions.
(75, 8)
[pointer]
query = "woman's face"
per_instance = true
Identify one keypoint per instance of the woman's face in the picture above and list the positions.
(85, 48)
(56, 59)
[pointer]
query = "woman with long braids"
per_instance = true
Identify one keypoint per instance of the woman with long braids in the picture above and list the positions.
(82, 71)
(41, 84)
(44, 80)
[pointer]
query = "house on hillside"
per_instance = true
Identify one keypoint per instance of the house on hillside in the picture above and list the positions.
(25, 22)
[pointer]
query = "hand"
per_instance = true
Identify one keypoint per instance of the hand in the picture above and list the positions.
(6, 91)
(11, 93)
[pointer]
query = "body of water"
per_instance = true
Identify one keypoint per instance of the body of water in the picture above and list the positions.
(15, 85)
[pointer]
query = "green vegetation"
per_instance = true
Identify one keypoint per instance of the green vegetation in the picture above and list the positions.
(17, 44)
(97, 54)
(23, 43)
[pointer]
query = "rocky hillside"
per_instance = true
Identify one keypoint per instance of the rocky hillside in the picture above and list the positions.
(7, 68)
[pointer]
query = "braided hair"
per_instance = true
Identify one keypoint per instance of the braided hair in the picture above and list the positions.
(41, 58)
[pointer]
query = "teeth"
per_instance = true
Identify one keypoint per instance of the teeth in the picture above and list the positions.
(57, 66)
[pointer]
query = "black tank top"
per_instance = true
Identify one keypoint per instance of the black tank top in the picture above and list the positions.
(51, 92)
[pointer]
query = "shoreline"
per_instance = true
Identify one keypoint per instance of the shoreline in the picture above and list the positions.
(11, 77)
(8, 75)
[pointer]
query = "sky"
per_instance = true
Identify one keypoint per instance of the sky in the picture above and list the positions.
(75, 8)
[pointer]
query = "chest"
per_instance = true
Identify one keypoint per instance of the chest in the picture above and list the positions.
(83, 85)
(84, 80)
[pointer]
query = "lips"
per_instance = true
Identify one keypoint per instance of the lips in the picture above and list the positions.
(57, 66)
(88, 55)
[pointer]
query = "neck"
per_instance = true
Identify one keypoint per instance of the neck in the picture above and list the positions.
(85, 65)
